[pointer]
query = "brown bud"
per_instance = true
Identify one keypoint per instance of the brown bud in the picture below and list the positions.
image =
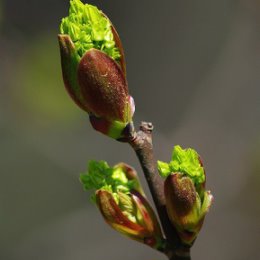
(180, 192)
(103, 86)
(145, 229)
(185, 207)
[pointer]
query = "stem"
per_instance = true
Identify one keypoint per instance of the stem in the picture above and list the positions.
(141, 142)
(180, 254)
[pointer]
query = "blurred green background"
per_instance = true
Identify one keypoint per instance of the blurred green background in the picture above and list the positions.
(193, 70)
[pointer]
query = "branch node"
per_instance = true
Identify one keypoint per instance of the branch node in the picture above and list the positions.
(146, 127)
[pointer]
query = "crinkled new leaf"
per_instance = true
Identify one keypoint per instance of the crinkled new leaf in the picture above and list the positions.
(100, 176)
(185, 161)
(89, 28)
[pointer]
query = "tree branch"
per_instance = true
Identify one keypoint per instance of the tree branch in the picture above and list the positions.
(141, 142)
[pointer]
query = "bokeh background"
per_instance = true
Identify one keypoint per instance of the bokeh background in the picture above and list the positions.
(194, 71)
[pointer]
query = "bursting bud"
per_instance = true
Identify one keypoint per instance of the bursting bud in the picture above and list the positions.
(122, 203)
(187, 201)
(93, 68)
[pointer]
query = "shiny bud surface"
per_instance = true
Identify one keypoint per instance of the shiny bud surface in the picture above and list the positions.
(93, 68)
(122, 203)
(187, 201)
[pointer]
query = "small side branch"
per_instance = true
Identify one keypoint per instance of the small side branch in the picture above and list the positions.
(142, 144)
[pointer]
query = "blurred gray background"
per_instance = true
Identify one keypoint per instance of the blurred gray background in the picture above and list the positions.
(193, 70)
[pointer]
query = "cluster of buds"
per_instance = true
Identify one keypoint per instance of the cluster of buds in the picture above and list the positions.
(121, 201)
(94, 71)
(187, 201)
(94, 74)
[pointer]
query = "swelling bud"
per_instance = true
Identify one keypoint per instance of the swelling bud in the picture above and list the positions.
(122, 203)
(187, 201)
(93, 68)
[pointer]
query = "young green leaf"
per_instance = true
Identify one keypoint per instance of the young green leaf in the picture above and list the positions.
(185, 161)
(89, 28)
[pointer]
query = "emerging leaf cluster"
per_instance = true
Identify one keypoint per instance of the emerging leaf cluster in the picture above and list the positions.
(89, 28)
(100, 176)
(185, 161)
